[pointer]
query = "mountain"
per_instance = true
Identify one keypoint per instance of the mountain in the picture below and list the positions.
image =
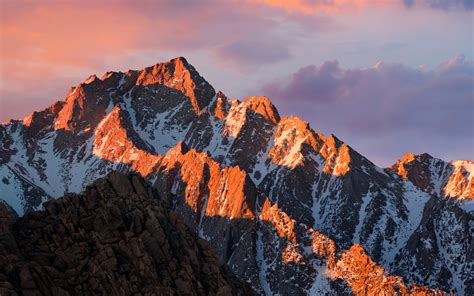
(116, 237)
(287, 208)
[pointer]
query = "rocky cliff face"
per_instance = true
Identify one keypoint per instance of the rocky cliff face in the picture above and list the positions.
(446, 179)
(260, 188)
(116, 238)
(441, 248)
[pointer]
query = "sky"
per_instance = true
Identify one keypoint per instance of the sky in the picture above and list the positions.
(385, 76)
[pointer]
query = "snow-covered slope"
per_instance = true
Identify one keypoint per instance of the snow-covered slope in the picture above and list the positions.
(273, 196)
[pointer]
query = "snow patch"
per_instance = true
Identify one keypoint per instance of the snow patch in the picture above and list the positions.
(11, 191)
(414, 201)
(321, 284)
(262, 265)
(362, 214)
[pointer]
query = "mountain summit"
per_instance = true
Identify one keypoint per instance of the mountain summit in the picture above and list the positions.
(288, 209)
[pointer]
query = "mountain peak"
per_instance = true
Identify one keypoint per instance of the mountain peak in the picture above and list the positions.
(409, 157)
(292, 134)
(91, 79)
(85, 105)
(178, 74)
(263, 106)
(461, 182)
(415, 167)
(82, 107)
(180, 60)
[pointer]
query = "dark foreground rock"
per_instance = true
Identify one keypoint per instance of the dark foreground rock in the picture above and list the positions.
(115, 238)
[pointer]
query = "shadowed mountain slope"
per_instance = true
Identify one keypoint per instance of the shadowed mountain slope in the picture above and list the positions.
(116, 238)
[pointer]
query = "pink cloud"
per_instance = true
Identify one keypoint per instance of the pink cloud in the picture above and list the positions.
(323, 6)
(49, 45)
(254, 52)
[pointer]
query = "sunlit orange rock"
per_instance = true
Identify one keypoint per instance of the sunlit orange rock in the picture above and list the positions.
(264, 107)
(111, 142)
(178, 74)
(292, 134)
(221, 108)
(337, 156)
(461, 182)
(282, 223)
(291, 255)
(451, 180)
(324, 247)
(226, 189)
(82, 109)
(342, 162)
(365, 277)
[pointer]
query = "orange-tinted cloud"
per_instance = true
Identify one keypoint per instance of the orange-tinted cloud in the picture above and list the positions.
(325, 6)
(76, 34)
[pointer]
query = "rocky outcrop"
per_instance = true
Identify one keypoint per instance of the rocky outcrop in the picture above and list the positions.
(438, 177)
(441, 250)
(116, 238)
(365, 277)
(460, 184)
(180, 75)
(112, 142)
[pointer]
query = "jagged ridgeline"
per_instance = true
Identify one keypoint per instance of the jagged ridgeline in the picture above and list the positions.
(288, 209)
